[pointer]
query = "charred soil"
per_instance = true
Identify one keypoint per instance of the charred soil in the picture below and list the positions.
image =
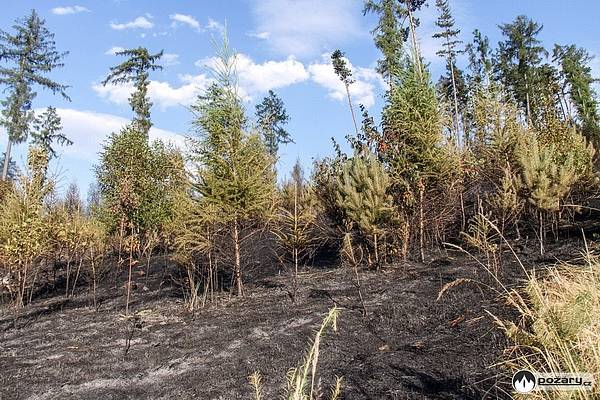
(411, 345)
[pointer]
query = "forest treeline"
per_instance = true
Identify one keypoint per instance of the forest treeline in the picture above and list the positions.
(509, 141)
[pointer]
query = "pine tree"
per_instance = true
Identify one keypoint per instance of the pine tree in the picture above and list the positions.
(32, 52)
(553, 159)
(362, 194)
(235, 173)
(271, 115)
(449, 36)
(136, 69)
(343, 72)
(47, 130)
(575, 68)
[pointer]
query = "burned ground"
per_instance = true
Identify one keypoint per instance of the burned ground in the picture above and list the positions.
(409, 346)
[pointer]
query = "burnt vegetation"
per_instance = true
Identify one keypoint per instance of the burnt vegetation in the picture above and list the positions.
(429, 256)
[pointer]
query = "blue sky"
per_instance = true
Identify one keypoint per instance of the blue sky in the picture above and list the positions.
(283, 45)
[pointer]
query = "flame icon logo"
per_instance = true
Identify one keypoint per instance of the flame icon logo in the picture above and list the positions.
(523, 381)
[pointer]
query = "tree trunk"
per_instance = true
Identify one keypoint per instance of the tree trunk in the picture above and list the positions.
(421, 221)
(541, 234)
(296, 225)
(238, 266)
(527, 101)
(129, 277)
(351, 108)
(457, 133)
(6, 160)
(93, 265)
(414, 40)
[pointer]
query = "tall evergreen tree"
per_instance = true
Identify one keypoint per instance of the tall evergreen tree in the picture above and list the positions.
(271, 115)
(389, 35)
(392, 32)
(518, 60)
(575, 69)
(448, 33)
(235, 175)
(31, 54)
(480, 58)
(446, 87)
(341, 69)
(136, 69)
(47, 130)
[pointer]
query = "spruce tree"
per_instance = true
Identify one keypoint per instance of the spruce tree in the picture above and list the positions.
(415, 155)
(392, 32)
(271, 115)
(390, 35)
(135, 69)
(518, 59)
(47, 130)
(448, 33)
(235, 171)
(32, 55)
(412, 127)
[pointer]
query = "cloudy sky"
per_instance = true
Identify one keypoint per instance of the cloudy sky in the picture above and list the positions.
(283, 45)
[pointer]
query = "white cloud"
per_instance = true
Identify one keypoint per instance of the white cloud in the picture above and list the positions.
(88, 131)
(308, 27)
(185, 19)
(255, 78)
(114, 50)
(162, 94)
(362, 90)
(215, 26)
(260, 35)
(138, 23)
(169, 59)
(69, 10)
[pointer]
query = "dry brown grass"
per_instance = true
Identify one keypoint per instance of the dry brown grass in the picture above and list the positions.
(559, 329)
